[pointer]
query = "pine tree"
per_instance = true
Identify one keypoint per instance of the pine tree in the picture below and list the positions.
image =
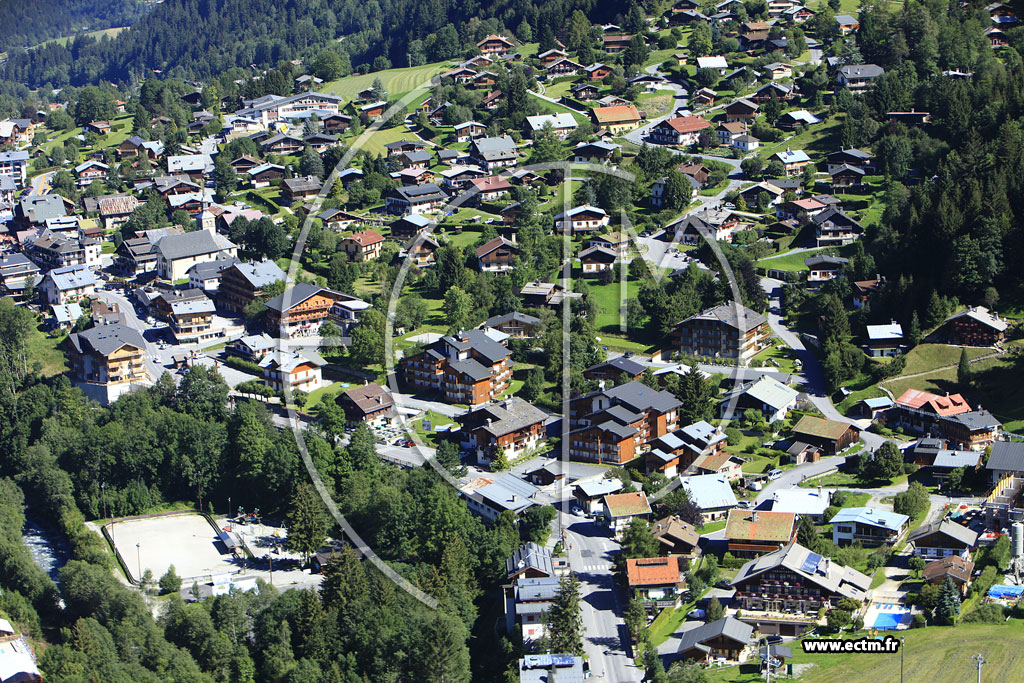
(307, 522)
(963, 370)
(446, 659)
(310, 164)
(565, 620)
(715, 610)
(914, 334)
(807, 533)
(948, 607)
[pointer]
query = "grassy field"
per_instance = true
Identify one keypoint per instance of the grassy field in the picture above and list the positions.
(608, 298)
(937, 653)
(396, 82)
(794, 262)
(375, 143)
(781, 357)
(817, 140)
(657, 103)
(44, 350)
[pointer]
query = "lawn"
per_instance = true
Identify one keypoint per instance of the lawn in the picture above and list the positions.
(45, 350)
(609, 301)
(376, 141)
(794, 261)
(781, 357)
(436, 419)
(397, 82)
(545, 107)
(819, 140)
(657, 103)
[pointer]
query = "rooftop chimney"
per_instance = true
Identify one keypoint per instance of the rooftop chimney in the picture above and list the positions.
(753, 516)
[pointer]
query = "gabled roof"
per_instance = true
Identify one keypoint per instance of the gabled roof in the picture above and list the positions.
(627, 504)
(509, 416)
(822, 571)
(861, 70)
(733, 314)
(947, 528)
(1006, 456)
(951, 404)
(623, 113)
(301, 292)
(868, 516)
(620, 364)
(687, 124)
(954, 566)
(640, 397)
(982, 315)
(710, 491)
(811, 425)
(366, 238)
(728, 627)
(585, 208)
(72, 277)
(653, 571)
(493, 245)
(760, 525)
(792, 156)
(107, 339)
(190, 244)
(495, 321)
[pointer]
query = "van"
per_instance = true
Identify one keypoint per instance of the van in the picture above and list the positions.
(774, 474)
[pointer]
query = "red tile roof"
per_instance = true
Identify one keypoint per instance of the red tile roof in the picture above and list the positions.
(688, 124)
(627, 504)
(654, 571)
(366, 238)
(943, 406)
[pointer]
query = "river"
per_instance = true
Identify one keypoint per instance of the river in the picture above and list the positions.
(48, 548)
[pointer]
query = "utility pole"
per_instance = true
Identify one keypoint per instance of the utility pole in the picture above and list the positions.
(903, 640)
(138, 557)
(981, 661)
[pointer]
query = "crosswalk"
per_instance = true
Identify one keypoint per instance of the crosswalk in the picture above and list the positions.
(591, 568)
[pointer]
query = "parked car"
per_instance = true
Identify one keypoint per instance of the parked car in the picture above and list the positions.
(723, 584)
(696, 614)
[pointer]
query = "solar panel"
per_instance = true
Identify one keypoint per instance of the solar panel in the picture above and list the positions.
(563, 660)
(810, 563)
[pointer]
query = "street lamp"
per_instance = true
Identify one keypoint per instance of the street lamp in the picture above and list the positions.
(138, 557)
(903, 641)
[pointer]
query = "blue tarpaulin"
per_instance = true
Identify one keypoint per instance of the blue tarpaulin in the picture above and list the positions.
(1003, 590)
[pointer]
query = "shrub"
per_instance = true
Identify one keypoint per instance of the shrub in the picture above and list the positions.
(992, 613)
(919, 621)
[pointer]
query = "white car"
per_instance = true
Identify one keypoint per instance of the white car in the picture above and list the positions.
(696, 614)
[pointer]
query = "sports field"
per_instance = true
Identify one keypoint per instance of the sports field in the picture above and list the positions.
(187, 541)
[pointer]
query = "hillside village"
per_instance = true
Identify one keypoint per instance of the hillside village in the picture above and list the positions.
(622, 278)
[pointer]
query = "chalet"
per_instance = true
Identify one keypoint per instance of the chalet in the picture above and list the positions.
(799, 208)
(373, 110)
(955, 568)
(797, 14)
(458, 178)
(537, 293)
(105, 361)
(336, 123)
(975, 326)
(784, 92)
(597, 72)
(86, 173)
(822, 267)
(415, 199)
(495, 45)
(833, 228)
(727, 331)
(725, 640)
(797, 583)
(649, 412)
(728, 132)
(612, 101)
(484, 79)
(583, 91)
(676, 538)
(530, 561)
(244, 164)
(868, 526)
(919, 411)
(512, 426)
(657, 582)
(996, 37)
(243, 283)
(300, 310)
(752, 533)
(68, 284)
(338, 220)
(681, 130)
(715, 63)
(419, 159)
(617, 119)
(321, 142)
(858, 77)
(845, 177)
(464, 132)
(403, 146)
(468, 368)
(133, 146)
(741, 110)
(527, 601)
(563, 67)
(885, 341)
(549, 57)
(490, 188)
(298, 371)
(973, 430)
(830, 436)
(793, 161)
(362, 246)
(1006, 459)
(596, 260)
(944, 538)
(849, 157)
(589, 495)
(584, 218)
(561, 124)
(792, 120)
(271, 108)
(264, 175)
(752, 195)
(517, 325)
(409, 226)
(777, 71)
(614, 43)
(712, 493)
(191, 319)
(493, 153)
(847, 24)
(300, 189)
(617, 242)
(282, 144)
(705, 97)
(612, 370)
(621, 508)
(498, 255)
(765, 394)
(421, 251)
(594, 152)
(370, 403)
(698, 172)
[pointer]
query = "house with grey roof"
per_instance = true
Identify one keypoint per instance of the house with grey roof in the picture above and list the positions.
(721, 641)
(506, 492)
(514, 324)
(589, 495)
(176, 254)
(35, 210)
(68, 284)
(492, 153)
(944, 538)
(107, 360)
(712, 493)
(515, 426)
(765, 394)
(549, 668)
(858, 77)
(730, 330)
(206, 275)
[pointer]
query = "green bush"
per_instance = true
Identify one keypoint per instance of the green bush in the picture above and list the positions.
(243, 365)
(991, 613)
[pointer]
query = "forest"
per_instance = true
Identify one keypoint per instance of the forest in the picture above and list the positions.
(29, 23)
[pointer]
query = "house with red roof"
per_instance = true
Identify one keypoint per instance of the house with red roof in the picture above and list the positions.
(919, 410)
(752, 533)
(681, 130)
(656, 581)
(621, 508)
(362, 246)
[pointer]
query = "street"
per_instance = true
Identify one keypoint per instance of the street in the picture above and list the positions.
(591, 552)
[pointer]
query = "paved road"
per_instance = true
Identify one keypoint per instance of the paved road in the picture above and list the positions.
(591, 554)
(41, 183)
